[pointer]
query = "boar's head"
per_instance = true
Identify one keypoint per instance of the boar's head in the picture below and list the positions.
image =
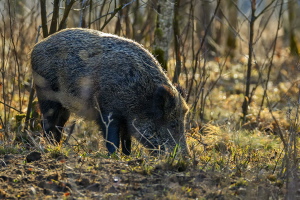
(164, 126)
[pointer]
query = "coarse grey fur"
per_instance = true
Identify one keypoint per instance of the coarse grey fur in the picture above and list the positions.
(104, 77)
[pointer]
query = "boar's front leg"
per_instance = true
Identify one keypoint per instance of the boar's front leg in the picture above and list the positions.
(125, 139)
(110, 126)
(54, 118)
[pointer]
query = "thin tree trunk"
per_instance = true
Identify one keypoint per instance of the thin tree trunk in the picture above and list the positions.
(63, 22)
(176, 41)
(249, 66)
(163, 31)
(292, 37)
(90, 14)
(3, 73)
(83, 4)
(118, 23)
(54, 21)
(44, 18)
(232, 17)
(136, 25)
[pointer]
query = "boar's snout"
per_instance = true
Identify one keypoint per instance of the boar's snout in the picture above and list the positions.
(177, 142)
(170, 145)
(169, 113)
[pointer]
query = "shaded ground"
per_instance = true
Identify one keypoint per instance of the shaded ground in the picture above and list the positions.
(95, 177)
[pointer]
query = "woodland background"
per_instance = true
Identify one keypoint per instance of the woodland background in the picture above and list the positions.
(238, 61)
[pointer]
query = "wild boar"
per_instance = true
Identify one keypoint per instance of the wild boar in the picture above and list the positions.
(112, 80)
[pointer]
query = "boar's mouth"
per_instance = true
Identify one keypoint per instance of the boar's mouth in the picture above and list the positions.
(164, 146)
(153, 142)
(177, 144)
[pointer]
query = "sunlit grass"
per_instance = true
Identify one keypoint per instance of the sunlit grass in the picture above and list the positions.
(237, 152)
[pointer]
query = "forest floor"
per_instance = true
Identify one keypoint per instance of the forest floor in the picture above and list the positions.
(63, 173)
(100, 178)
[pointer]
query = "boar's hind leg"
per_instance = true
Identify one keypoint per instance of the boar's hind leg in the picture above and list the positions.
(55, 116)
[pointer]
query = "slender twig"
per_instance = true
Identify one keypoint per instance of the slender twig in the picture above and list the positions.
(68, 7)
(265, 9)
(70, 132)
(271, 59)
(5, 104)
(143, 135)
(240, 11)
(112, 14)
(196, 60)
(15, 54)
(213, 85)
(3, 72)
(32, 91)
(106, 124)
(263, 28)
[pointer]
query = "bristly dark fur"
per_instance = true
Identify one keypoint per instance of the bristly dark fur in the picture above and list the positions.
(75, 70)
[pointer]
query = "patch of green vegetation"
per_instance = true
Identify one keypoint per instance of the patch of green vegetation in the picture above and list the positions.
(158, 33)
(9, 149)
(57, 151)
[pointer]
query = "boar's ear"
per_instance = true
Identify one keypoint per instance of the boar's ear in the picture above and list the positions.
(163, 101)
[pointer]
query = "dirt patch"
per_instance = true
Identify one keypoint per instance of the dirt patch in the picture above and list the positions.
(92, 177)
